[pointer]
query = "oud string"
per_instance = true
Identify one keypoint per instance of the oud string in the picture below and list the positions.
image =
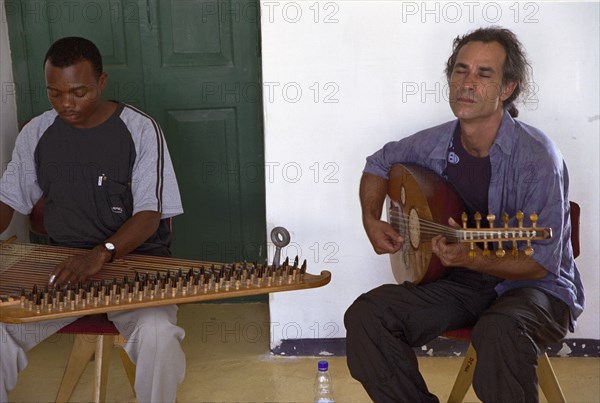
(427, 229)
(430, 229)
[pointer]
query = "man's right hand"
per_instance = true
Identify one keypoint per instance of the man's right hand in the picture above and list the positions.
(79, 267)
(383, 237)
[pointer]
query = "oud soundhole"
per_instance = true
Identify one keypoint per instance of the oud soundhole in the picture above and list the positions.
(414, 229)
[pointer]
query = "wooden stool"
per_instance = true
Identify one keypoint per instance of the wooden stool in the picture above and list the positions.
(95, 336)
(546, 376)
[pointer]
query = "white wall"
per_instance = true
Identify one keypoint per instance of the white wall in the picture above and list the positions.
(8, 119)
(381, 64)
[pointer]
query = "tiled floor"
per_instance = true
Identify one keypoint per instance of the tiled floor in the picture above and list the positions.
(236, 366)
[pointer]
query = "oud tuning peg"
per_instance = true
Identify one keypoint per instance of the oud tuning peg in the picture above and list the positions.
(519, 216)
(533, 218)
(490, 219)
(478, 219)
(528, 249)
(486, 249)
(500, 252)
(464, 218)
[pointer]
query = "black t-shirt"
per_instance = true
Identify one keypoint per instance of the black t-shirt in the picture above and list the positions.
(470, 176)
(86, 177)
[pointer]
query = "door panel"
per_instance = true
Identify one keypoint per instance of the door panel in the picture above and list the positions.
(205, 144)
(205, 56)
(190, 38)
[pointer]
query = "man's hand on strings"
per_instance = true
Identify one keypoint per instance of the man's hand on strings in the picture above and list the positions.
(451, 254)
(79, 267)
(383, 237)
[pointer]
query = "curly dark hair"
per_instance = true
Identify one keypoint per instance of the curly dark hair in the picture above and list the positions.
(516, 65)
(68, 51)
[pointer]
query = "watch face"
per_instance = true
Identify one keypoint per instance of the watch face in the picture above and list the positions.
(109, 246)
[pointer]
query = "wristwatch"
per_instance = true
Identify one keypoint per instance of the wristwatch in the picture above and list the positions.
(112, 249)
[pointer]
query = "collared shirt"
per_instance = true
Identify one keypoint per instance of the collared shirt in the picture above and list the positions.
(529, 175)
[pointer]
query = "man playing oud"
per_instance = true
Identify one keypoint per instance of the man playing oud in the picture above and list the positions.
(518, 304)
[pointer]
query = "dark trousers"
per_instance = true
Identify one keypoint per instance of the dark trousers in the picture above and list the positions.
(510, 332)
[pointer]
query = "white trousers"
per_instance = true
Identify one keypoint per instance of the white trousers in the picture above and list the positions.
(153, 344)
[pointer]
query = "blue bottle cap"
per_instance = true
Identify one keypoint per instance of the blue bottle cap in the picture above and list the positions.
(323, 366)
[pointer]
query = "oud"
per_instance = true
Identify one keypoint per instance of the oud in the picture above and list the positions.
(419, 205)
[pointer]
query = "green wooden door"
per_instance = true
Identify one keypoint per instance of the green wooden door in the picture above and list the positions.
(194, 65)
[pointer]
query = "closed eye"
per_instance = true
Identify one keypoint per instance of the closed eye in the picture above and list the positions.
(53, 93)
(80, 92)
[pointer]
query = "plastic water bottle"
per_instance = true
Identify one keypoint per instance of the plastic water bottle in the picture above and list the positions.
(323, 384)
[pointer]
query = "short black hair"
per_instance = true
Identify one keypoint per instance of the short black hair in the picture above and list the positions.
(71, 50)
(516, 66)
